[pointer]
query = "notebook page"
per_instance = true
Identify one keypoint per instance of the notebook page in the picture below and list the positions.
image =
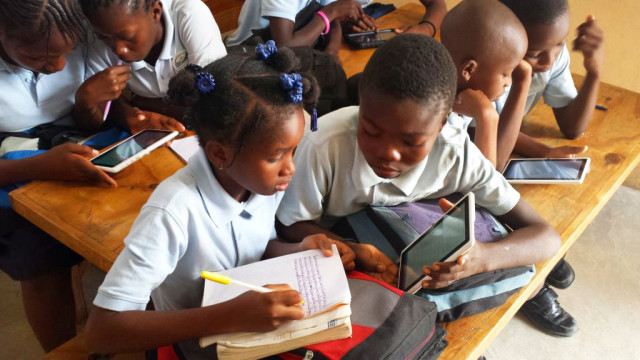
(320, 280)
(186, 147)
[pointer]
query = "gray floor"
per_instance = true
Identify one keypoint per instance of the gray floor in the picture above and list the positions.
(604, 297)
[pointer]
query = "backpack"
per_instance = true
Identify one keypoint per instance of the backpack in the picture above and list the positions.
(387, 323)
(392, 228)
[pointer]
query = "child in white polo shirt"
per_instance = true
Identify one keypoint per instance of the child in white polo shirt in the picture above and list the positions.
(216, 213)
(396, 147)
(156, 38)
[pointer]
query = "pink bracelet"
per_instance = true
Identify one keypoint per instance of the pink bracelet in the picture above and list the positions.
(327, 24)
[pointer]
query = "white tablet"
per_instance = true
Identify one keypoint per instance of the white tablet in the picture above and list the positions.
(131, 149)
(448, 238)
(546, 171)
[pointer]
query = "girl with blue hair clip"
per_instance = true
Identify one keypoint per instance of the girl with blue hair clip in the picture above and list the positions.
(216, 213)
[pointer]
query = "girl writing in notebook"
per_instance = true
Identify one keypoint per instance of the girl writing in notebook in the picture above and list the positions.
(216, 213)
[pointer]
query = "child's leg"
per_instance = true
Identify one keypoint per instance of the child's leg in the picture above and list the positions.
(49, 306)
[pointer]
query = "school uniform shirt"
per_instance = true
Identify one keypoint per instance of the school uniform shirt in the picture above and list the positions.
(333, 179)
(555, 86)
(191, 36)
(189, 224)
(460, 121)
(254, 14)
(27, 101)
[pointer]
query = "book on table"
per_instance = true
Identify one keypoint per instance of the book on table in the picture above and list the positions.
(323, 285)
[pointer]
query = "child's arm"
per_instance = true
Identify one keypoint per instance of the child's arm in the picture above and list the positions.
(512, 113)
(68, 162)
(93, 95)
(475, 104)
(435, 10)
(282, 29)
(574, 118)
(112, 331)
(335, 39)
(532, 241)
(530, 147)
(277, 248)
(367, 257)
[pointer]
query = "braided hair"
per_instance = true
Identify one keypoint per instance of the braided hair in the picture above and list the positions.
(91, 6)
(29, 20)
(248, 99)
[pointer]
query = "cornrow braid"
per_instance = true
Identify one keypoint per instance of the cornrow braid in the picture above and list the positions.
(248, 101)
(34, 19)
(89, 7)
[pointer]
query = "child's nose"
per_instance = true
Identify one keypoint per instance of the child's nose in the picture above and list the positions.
(389, 153)
(288, 168)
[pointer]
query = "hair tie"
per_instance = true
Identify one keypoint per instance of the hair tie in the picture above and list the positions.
(205, 82)
(314, 120)
(292, 83)
(264, 51)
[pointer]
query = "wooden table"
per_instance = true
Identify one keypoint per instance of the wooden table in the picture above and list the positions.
(94, 221)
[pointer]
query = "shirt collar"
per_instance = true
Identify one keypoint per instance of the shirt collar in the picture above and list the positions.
(364, 177)
(220, 206)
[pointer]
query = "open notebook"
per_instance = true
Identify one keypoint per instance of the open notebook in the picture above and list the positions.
(323, 285)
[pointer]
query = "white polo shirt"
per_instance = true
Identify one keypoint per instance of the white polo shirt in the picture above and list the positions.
(555, 86)
(191, 36)
(333, 178)
(460, 121)
(27, 101)
(189, 224)
(254, 14)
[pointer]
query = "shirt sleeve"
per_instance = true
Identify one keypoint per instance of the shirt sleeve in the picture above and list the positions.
(152, 250)
(199, 33)
(304, 198)
(280, 8)
(560, 89)
(99, 58)
(491, 189)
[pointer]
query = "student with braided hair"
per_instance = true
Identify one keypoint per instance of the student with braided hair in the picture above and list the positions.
(216, 213)
(41, 68)
(154, 39)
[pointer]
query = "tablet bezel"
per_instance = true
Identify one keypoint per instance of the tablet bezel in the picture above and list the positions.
(170, 134)
(584, 169)
(462, 248)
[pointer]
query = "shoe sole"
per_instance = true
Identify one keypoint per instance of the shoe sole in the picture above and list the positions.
(545, 330)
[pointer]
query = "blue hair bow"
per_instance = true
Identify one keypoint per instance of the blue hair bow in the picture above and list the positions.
(205, 82)
(264, 51)
(292, 83)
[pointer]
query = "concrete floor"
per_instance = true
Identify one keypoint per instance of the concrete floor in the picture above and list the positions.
(604, 298)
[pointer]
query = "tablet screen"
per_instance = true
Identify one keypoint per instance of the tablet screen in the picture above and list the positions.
(129, 148)
(383, 35)
(438, 243)
(545, 169)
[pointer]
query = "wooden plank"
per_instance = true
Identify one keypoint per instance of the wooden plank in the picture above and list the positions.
(226, 13)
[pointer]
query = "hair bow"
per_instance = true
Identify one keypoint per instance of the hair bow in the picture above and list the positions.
(264, 51)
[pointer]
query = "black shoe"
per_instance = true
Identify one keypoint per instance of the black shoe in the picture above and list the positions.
(562, 275)
(545, 312)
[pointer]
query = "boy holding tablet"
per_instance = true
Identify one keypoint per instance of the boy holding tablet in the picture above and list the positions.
(396, 147)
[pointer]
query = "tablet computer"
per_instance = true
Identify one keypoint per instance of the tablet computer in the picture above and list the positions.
(370, 39)
(131, 149)
(449, 237)
(546, 171)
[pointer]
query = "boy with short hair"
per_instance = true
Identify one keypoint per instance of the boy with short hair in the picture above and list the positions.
(547, 26)
(397, 147)
(487, 43)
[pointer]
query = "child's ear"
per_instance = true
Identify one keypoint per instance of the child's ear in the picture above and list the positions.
(220, 155)
(156, 10)
(468, 68)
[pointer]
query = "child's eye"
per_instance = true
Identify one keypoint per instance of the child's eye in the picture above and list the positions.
(531, 56)
(413, 143)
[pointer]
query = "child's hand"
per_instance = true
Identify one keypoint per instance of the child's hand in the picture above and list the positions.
(344, 10)
(323, 242)
(375, 263)
(442, 274)
(366, 23)
(139, 120)
(104, 86)
(70, 162)
(267, 311)
(589, 42)
(565, 151)
(522, 72)
(475, 104)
